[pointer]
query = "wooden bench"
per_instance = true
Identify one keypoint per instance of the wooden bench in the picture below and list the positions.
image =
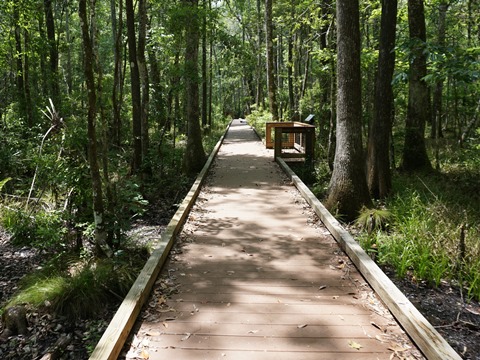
(300, 137)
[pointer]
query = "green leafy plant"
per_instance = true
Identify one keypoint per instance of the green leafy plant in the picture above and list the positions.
(372, 220)
(43, 229)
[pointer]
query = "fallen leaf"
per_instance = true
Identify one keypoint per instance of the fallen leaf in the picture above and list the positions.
(397, 348)
(186, 337)
(354, 345)
(253, 331)
(302, 326)
(322, 287)
(382, 338)
(144, 354)
(153, 333)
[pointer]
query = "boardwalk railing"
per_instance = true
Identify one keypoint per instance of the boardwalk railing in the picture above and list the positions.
(114, 337)
(423, 334)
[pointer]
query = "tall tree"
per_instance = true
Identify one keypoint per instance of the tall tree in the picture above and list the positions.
(415, 155)
(53, 52)
(204, 66)
(271, 84)
(438, 91)
(348, 190)
(378, 160)
(117, 88)
(259, 99)
(98, 205)
(195, 157)
(135, 88)
(143, 72)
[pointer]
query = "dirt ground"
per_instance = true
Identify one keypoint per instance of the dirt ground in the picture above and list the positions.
(455, 318)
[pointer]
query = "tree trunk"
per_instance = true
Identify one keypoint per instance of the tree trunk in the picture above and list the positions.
(378, 160)
(259, 88)
(204, 66)
(348, 190)
(414, 151)
(210, 74)
(20, 71)
(135, 86)
(53, 52)
(117, 26)
(143, 72)
(98, 206)
(68, 38)
(436, 131)
(26, 80)
(272, 87)
(194, 154)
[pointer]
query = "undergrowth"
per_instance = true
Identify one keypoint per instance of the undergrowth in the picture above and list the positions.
(77, 287)
(434, 236)
(75, 283)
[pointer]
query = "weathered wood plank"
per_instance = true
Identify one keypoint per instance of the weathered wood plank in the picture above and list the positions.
(193, 354)
(322, 331)
(425, 336)
(114, 337)
(265, 343)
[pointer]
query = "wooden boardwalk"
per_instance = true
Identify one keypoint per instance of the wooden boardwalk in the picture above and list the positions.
(255, 275)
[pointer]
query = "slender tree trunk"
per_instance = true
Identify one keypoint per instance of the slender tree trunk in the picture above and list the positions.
(143, 72)
(272, 86)
(348, 190)
(291, 95)
(305, 74)
(194, 154)
(135, 86)
(210, 74)
(414, 151)
(259, 91)
(69, 51)
(158, 101)
(53, 52)
(378, 160)
(437, 115)
(327, 82)
(117, 26)
(98, 206)
(204, 66)
(26, 80)
(332, 138)
(19, 59)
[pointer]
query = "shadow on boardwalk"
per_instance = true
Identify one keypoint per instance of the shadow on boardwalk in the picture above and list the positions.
(255, 275)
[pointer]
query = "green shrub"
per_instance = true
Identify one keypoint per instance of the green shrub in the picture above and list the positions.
(42, 229)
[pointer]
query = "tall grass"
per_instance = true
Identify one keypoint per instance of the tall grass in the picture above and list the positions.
(77, 288)
(425, 241)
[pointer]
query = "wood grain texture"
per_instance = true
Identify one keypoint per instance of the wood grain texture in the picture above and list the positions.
(114, 337)
(430, 342)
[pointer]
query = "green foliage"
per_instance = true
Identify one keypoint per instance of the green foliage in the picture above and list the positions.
(258, 118)
(80, 289)
(42, 229)
(3, 182)
(425, 240)
(372, 220)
